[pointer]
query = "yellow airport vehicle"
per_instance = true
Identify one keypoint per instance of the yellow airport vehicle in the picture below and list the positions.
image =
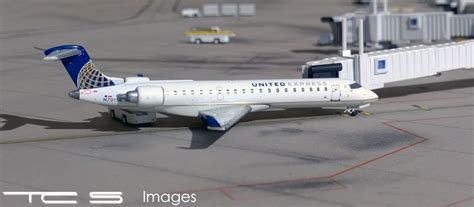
(214, 35)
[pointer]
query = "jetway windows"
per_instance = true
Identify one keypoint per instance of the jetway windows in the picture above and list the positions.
(414, 23)
(381, 66)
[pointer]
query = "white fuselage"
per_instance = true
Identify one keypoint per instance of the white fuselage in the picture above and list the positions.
(187, 98)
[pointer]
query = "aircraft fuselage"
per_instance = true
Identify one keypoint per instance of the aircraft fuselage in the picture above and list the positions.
(187, 98)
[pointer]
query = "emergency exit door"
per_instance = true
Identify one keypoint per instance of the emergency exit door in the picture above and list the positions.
(335, 93)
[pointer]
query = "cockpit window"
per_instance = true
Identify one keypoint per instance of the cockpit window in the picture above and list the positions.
(354, 86)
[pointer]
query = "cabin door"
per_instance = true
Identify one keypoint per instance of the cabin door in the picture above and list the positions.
(220, 93)
(335, 93)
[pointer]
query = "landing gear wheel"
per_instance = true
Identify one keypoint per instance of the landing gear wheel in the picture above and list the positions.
(354, 113)
(351, 111)
(124, 119)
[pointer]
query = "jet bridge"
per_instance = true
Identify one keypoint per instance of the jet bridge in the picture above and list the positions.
(402, 28)
(374, 69)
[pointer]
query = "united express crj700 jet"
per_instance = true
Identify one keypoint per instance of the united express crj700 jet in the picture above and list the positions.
(221, 104)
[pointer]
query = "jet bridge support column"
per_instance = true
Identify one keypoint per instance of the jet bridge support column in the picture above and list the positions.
(377, 23)
(360, 61)
(361, 36)
(374, 6)
(344, 52)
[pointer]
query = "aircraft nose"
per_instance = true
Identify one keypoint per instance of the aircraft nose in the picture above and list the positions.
(368, 95)
(371, 95)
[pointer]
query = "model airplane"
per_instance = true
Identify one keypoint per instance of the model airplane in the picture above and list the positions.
(221, 104)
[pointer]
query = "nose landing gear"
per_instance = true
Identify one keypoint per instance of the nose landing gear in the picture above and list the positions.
(351, 111)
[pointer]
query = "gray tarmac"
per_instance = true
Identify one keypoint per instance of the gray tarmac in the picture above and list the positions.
(414, 147)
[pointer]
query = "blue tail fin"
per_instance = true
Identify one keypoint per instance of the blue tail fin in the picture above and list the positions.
(78, 64)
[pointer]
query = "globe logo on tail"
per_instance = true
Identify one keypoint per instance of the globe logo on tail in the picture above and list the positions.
(91, 77)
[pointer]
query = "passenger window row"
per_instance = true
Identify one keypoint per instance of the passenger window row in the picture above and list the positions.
(244, 91)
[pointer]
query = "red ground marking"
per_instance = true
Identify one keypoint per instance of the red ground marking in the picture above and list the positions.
(338, 183)
(339, 186)
(459, 202)
(226, 192)
(256, 184)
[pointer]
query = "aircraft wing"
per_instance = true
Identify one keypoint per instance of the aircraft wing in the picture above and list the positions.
(223, 118)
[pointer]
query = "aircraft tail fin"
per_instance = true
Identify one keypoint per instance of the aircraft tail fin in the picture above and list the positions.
(79, 65)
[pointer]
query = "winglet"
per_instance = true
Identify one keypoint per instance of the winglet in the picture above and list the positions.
(221, 119)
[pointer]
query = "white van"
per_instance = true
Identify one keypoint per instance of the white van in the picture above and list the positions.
(190, 12)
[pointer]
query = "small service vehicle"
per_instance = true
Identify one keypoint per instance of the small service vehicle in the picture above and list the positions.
(214, 35)
(191, 12)
(132, 117)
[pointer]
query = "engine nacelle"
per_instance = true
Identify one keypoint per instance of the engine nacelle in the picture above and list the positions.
(146, 96)
(136, 79)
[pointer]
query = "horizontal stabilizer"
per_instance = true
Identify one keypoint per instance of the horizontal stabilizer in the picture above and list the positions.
(61, 54)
